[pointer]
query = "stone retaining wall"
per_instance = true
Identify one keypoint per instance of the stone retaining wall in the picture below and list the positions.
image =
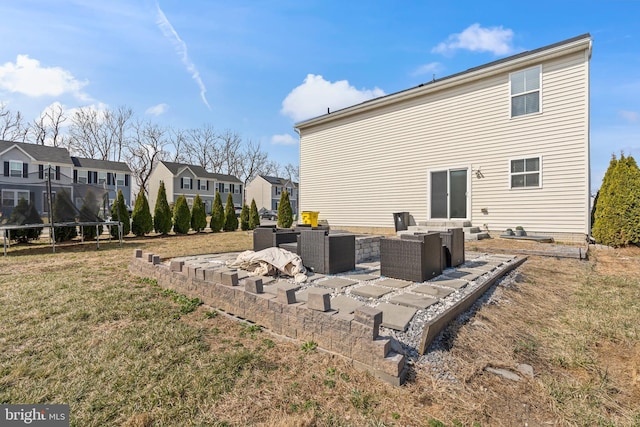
(367, 247)
(354, 336)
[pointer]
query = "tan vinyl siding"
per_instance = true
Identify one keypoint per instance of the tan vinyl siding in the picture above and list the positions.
(358, 170)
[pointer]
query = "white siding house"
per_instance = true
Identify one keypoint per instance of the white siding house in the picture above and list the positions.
(502, 145)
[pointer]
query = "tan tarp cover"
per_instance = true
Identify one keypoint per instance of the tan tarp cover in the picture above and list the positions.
(270, 261)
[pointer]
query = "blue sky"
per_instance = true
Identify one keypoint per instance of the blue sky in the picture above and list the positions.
(257, 67)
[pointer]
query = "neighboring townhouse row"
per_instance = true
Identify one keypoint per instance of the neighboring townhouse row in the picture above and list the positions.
(29, 167)
(501, 145)
(267, 190)
(181, 179)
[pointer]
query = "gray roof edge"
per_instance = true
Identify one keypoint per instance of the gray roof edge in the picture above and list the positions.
(373, 102)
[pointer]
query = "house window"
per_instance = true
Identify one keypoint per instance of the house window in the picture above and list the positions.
(526, 172)
(15, 168)
(45, 200)
(525, 91)
(226, 188)
(186, 183)
(120, 180)
(203, 184)
(221, 187)
(102, 177)
(278, 190)
(232, 188)
(82, 177)
(10, 198)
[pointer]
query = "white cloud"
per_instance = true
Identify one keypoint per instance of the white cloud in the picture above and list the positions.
(181, 48)
(475, 38)
(315, 95)
(431, 68)
(157, 110)
(630, 116)
(26, 76)
(283, 139)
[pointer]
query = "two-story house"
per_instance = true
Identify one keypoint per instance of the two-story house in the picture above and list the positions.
(27, 168)
(267, 190)
(497, 146)
(181, 179)
(32, 171)
(101, 174)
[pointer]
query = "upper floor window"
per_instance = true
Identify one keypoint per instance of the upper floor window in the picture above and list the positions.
(15, 168)
(525, 91)
(120, 182)
(203, 184)
(186, 183)
(278, 190)
(82, 176)
(226, 188)
(232, 188)
(525, 172)
(221, 187)
(102, 177)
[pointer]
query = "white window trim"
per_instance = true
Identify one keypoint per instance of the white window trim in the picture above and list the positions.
(120, 182)
(16, 199)
(533, 156)
(186, 183)
(511, 116)
(81, 175)
(203, 184)
(44, 200)
(15, 162)
(448, 169)
(102, 178)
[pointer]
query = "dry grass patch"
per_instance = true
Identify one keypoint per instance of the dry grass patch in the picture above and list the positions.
(78, 329)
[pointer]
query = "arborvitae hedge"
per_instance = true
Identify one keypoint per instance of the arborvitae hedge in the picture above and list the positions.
(89, 213)
(161, 212)
(230, 219)
(254, 215)
(217, 214)
(198, 215)
(244, 218)
(142, 222)
(617, 213)
(64, 211)
(24, 213)
(285, 214)
(119, 213)
(181, 216)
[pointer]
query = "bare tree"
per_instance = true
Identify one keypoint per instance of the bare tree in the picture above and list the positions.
(290, 171)
(99, 134)
(12, 127)
(47, 129)
(229, 155)
(202, 148)
(179, 140)
(117, 124)
(147, 146)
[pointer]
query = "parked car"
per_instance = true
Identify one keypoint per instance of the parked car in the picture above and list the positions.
(271, 215)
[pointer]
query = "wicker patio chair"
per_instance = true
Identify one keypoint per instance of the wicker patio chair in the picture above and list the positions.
(327, 253)
(413, 257)
(269, 236)
(453, 242)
